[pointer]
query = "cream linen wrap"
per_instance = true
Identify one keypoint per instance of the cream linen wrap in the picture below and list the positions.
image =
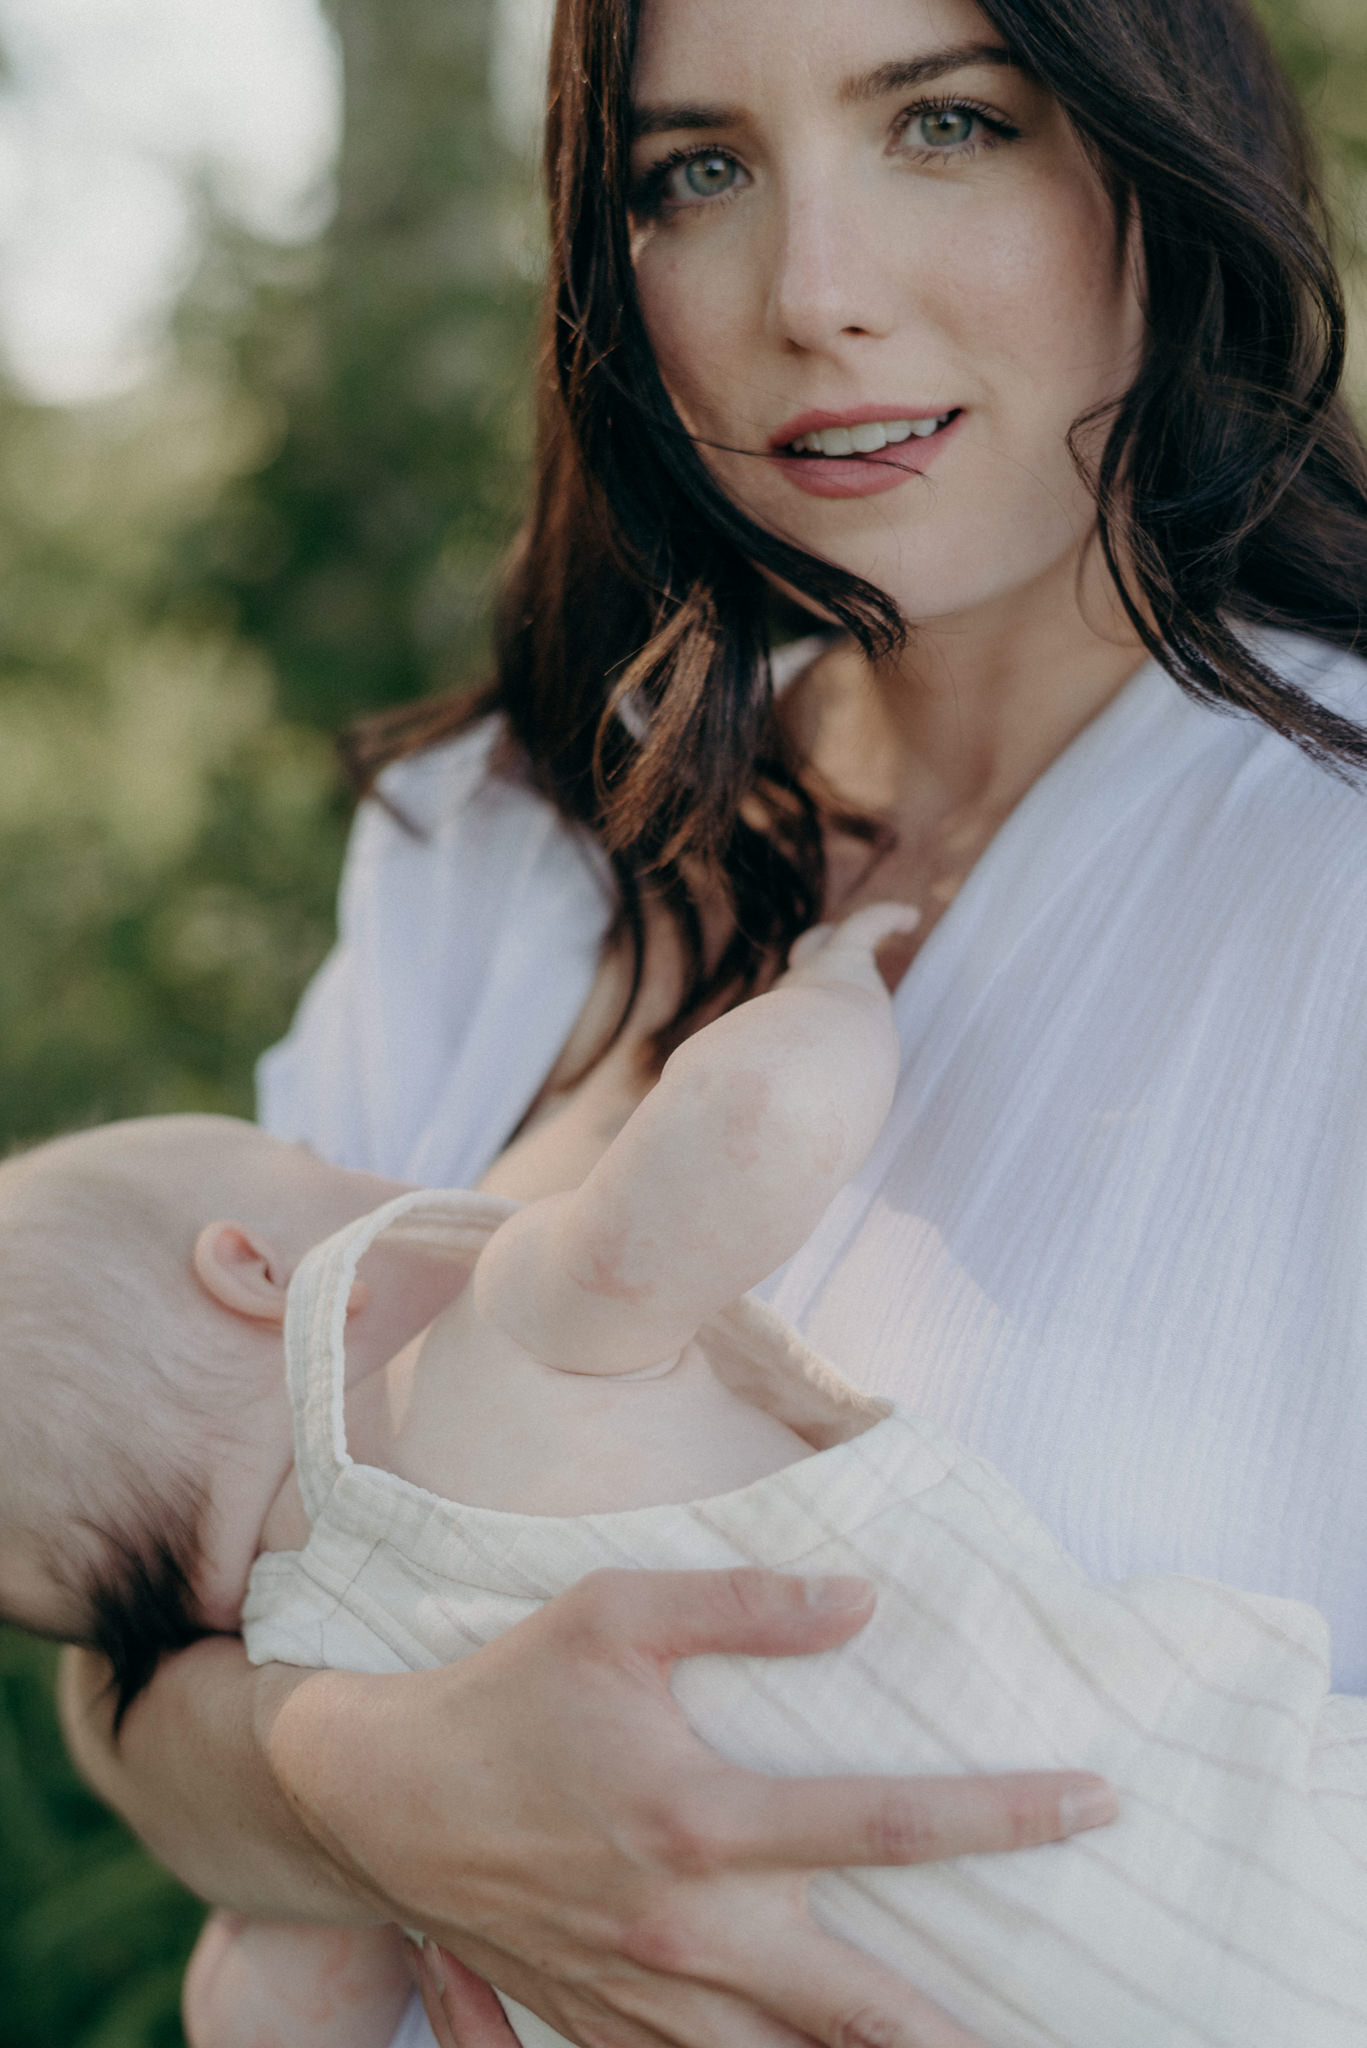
(1227, 1906)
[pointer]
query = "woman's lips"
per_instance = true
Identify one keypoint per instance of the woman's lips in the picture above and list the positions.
(862, 476)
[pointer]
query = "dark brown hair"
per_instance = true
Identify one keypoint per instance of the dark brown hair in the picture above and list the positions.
(632, 660)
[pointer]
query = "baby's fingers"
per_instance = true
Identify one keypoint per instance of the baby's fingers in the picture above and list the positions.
(867, 928)
(844, 952)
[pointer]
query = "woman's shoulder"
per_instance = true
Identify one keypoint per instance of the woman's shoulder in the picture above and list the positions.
(471, 916)
(1272, 826)
(1333, 675)
(425, 793)
(1293, 792)
(464, 815)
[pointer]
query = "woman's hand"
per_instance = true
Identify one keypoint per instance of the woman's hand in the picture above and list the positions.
(543, 1812)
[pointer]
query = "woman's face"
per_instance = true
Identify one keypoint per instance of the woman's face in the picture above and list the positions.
(850, 219)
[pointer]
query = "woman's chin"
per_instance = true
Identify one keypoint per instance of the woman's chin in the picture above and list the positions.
(971, 572)
(932, 567)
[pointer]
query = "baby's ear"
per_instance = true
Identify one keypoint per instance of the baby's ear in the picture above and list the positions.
(241, 1272)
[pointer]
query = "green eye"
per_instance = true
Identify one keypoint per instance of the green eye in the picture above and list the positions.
(946, 127)
(706, 176)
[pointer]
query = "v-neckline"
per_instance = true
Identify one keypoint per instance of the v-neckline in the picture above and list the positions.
(985, 915)
(1082, 796)
(1080, 799)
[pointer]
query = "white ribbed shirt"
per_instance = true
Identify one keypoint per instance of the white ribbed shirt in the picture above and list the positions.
(1113, 1234)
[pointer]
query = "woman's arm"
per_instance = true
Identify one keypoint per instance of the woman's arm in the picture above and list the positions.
(543, 1811)
(191, 1773)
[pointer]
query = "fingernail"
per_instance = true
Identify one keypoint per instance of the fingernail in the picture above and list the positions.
(1090, 1806)
(830, 1595)
(424, 1960)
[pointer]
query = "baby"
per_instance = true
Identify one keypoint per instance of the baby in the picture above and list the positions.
(600, 1393)
(150, 1434)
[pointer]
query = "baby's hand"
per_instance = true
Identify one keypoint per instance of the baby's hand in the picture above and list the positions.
(844, 953)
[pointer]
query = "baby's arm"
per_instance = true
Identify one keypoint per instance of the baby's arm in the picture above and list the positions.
(720, 1175)
(251, 1982)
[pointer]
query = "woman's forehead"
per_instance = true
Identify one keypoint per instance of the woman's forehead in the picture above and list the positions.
(733, 52)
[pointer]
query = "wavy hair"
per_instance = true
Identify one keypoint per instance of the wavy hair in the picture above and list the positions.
(1231, 490)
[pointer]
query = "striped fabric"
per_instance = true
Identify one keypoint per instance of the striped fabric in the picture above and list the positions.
(1227, 1906)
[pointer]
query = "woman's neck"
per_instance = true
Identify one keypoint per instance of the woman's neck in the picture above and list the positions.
(942, 743)
(975, 708)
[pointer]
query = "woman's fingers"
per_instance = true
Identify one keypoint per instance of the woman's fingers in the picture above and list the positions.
(845, 2000)
(629, 2006)
(699, 2016)
(825, 1823)
(637, 2008)
(626, 1615)
(430, 1992)
(543, 1808)
(734, 1819)
(462, 2010)
(742, 1965)
(754, 1940)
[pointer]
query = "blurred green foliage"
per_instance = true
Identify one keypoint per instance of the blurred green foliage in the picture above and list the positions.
(202, 583)
(93, 1935)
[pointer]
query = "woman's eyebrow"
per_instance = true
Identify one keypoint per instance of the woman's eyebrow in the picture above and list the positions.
(901, 75)
(665, 120)
(905, 73)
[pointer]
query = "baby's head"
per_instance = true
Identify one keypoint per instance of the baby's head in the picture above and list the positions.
(146, 1431)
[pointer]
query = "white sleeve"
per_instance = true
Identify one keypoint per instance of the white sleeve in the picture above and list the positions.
(317, 1083)
(468, 937)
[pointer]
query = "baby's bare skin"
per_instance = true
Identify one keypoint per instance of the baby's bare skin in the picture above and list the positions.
(487, 1424)
(567, 1377)
(721, 1173)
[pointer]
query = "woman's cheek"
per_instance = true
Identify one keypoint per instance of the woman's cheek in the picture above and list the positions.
(1047, 321)
(1072, 299)
(690, 315)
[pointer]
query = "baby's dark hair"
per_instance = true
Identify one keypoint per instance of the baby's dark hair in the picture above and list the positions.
(140, 1596)
(127, 1592)
(132, 1600)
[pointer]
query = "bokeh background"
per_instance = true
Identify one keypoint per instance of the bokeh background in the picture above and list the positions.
(267, 272)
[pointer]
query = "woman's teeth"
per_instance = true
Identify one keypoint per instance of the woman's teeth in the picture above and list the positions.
(868, 437)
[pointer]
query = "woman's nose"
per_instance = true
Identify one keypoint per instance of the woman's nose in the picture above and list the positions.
(833, 276)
